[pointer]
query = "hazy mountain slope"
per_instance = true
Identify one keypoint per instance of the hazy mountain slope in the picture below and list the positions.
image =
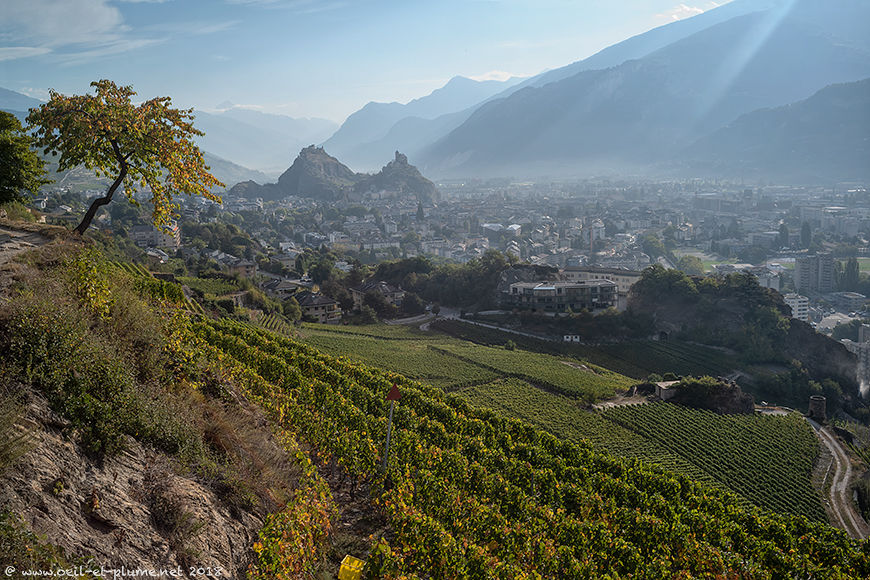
(643, 44)
(304, 130)
(12, 101)
(357, 142)
(645, 110)
(231, 173)
(824, 137)
(411, 134)
(257, 140)
(375, 121)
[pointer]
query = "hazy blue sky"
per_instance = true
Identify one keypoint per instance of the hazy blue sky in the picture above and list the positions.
(322, 58)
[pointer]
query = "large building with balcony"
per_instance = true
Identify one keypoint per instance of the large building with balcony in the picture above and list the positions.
(624, 279)
(560, 296)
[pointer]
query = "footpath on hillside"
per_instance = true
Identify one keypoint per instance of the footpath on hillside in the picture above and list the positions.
(16, 238)
(838, 495)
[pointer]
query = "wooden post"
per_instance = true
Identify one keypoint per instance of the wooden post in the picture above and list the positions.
(392, 397)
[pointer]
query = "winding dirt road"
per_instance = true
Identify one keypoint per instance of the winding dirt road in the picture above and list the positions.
(839, 494)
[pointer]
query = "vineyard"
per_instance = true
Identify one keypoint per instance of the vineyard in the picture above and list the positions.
(209, 287)
(767, 459)
(680, 358)
(493, 337)
(635, 359)
(568, 421)
(469, 493)
(276, 323)
(416, 359)
(133, 268)
(452, 364)
(395, 332)
(155, 288)
(587, 382)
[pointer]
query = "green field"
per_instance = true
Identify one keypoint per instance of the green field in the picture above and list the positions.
(635, 359)
(386, 331)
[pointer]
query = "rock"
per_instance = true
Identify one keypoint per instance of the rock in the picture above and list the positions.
(106, 511)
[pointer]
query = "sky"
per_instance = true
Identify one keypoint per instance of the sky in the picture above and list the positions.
(305, 58)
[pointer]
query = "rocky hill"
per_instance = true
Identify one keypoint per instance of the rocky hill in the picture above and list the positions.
(314, 173)
(317, 174)
(736, 313)
(399, 178)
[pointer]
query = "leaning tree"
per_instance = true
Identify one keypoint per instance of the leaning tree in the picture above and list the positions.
(147, 146)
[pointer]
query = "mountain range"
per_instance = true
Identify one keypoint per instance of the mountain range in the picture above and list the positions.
(645, 111)
(262, 141)
(674, 101)
(373, 132)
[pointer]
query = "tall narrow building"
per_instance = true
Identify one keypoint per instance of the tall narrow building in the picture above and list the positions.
(814, 274)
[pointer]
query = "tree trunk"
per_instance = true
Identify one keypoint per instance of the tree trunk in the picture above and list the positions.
(101, 201)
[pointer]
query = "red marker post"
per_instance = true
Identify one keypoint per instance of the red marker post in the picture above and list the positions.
(393, 396)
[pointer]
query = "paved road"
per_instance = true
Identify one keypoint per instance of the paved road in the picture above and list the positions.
(840, 495)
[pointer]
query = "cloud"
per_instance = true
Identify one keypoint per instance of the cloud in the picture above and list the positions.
(109, 47)
(494, 75)
(59, 22)
(41, 94)
(16, 52)
(73, 31)
(298, 6)
(681, 11)
(193, 28)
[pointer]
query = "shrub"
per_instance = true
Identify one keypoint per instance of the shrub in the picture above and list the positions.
(14, 442)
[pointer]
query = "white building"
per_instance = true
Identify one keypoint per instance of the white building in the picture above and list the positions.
(800, 306)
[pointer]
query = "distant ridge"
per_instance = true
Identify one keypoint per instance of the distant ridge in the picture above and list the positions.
(646, 111)
(824, 137)
(371, 133)
(12, 101)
